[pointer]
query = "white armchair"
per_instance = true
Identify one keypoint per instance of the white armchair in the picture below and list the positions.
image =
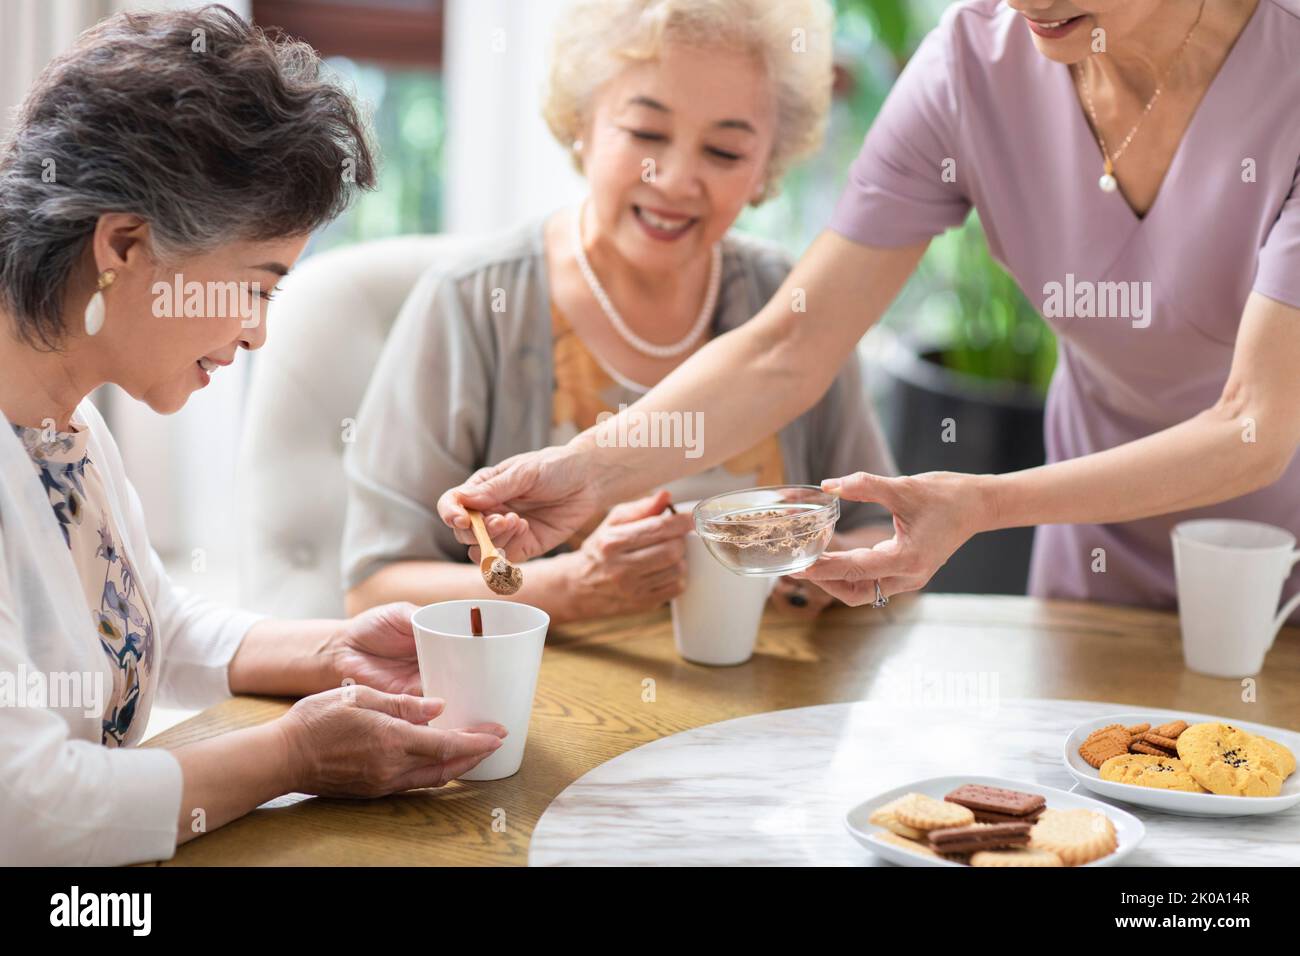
(324, 335)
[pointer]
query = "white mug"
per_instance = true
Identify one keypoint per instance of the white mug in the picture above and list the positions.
(488, 679)
(715, 620)
(1230, 575)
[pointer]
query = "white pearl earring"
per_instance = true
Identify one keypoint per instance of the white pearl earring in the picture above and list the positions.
(95, 310)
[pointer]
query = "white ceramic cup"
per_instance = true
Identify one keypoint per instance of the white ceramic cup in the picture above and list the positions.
(488, 679)
(715, 620)
(1230, 575)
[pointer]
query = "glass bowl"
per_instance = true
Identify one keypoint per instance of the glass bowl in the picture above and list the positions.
(774, 530)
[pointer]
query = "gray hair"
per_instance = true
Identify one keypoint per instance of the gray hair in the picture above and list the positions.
(193, 120)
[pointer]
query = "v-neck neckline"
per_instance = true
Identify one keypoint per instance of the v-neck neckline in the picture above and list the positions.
(1217, 82)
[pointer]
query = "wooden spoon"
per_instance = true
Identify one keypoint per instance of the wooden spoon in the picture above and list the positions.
(501, 576)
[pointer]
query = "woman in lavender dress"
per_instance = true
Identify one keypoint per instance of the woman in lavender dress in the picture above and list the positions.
(1135, 166)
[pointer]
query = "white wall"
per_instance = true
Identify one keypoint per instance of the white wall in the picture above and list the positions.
(32, 32)
(501, 163)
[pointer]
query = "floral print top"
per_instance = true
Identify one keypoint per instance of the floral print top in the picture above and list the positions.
(117, 608)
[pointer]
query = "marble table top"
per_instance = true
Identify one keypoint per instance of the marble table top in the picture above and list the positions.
(772, 789)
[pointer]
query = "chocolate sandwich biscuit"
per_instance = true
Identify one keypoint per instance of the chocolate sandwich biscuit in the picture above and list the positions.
(988, 816)
(994, 800)
(979, 836)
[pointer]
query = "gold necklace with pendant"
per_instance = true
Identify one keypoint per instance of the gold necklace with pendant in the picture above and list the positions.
(1107, 182)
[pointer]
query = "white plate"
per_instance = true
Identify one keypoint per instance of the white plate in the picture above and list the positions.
(1128, 828)
(1180, 801)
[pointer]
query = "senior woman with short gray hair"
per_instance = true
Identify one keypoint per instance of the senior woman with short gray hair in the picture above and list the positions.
(137, 160)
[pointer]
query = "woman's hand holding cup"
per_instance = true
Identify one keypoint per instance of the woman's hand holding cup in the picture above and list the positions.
(355, 741)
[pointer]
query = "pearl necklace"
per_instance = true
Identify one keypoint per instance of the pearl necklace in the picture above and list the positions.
(616, 320)
(1108, 183)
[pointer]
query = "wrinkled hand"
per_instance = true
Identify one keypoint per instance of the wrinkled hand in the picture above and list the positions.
(530, 502)
(934, 514)
(377, 648)
(359, 742)
(634, 561)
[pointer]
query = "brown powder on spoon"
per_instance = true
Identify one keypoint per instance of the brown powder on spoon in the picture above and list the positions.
(504, 577)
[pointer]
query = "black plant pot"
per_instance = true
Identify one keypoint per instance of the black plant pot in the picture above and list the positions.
(998, 427)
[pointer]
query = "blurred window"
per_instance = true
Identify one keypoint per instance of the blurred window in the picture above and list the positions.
(390, 53)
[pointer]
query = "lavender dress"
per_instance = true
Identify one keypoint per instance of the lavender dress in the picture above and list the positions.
(979, 103)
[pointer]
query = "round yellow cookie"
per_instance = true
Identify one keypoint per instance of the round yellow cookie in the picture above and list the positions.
(1283, 758)
(920, 812)
(1016, 856)
(1143, 770)
(1229, 761)
(884, 816)
(1076, 836)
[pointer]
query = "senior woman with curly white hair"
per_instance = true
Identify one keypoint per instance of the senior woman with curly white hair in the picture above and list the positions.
(679, 113)
(213, 167)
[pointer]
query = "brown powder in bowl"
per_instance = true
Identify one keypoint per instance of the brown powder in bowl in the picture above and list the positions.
(799, 530)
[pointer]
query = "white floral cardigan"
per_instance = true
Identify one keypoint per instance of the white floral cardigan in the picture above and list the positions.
(65, 798)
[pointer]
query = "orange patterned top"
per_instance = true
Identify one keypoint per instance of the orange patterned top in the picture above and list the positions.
(585, 387)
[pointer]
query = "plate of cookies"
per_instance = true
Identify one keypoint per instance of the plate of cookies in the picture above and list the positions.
(1192, 764)
(992, 822)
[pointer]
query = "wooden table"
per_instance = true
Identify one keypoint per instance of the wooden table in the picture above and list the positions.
(606, 687)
